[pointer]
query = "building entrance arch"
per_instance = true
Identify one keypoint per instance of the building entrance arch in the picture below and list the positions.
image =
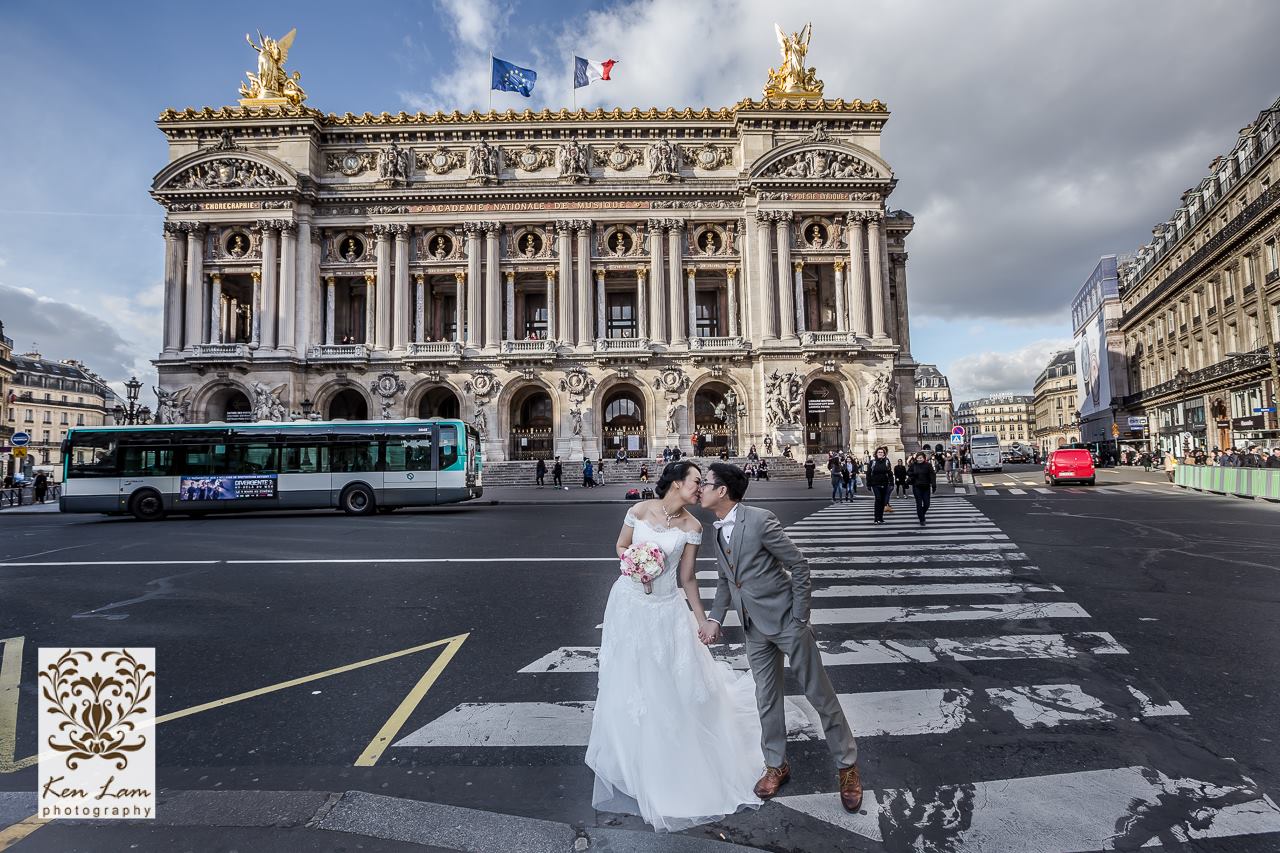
(823, 430)
(714, 424)
(348, 404)
(532, 424)
(439, 403)
(229, 404)
(623, 424)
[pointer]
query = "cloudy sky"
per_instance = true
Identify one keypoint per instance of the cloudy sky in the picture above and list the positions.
(1028, 138)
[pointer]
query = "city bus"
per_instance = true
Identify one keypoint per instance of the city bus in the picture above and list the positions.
(357, 466)
(984, 452)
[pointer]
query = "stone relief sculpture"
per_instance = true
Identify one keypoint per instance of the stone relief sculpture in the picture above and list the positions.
(482, 163)
(172, 406)
(481, 422)
(577, 383)
(224, 174)
(782, 398)
(573, 161)
(882, 400)
(394, 164)
(266, 402)
(662, 161)
(820, 164)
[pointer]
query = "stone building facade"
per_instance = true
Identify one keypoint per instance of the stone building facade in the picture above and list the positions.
(1056, 403)
(570, 282)
(50, 397)
(1010, 416)
(1201, 301)
(934, 407)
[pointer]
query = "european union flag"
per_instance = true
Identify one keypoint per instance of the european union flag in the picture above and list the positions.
(512, 78)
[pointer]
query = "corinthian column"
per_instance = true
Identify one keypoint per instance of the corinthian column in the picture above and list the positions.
(583, 295)
(401, 302)
(215, 309)
(510, 318)
(552, 325)
(386, 292)
(876, 274)
(330, 305)
(691, 273)
(786, 293)
(492, 288)
(857, 273)
(472, 298)
(658, 310)
(270, 284)
(371, 299)
(288, 285)
(764, 258)
(175, 255)
(459, 304)
(799, 291)
(642, 304)
(564, 326)
(731, 277)
(675, 257)
(255, 311)
(194, 313)
(841, 320)
(602, 327)
(419, 307)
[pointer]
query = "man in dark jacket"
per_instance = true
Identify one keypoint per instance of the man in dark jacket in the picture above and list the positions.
(809, 468)
(880, 481)
(540, 472)
(557, 472)
(900, 477)
(924, 483)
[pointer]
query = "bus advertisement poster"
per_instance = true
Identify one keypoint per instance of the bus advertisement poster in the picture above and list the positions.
(227, 488)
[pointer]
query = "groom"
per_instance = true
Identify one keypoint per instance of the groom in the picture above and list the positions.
(764, 576)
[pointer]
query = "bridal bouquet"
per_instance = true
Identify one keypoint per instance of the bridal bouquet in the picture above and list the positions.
(643, 562)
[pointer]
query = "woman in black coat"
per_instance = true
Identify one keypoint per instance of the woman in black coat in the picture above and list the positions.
(924, 482)
(880, 481)
(900, 477)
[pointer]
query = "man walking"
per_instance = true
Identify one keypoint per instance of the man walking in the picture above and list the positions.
(540, 472)
(557, 473)
(880, 481)
(766, 579)
(809, 468)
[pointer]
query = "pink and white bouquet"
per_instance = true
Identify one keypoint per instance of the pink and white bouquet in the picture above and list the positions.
(643, 562)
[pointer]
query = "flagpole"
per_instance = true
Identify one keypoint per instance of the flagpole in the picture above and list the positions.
(491, 81)
(573, 83)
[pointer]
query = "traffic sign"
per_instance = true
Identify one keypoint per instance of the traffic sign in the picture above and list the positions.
(21, 438)
(1258, 411)
(957, 430)
(1137, 422)
(19, 452)
(1115, 430)
(957, 438)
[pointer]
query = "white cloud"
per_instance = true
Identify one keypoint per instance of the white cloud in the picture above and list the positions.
(1001, 372)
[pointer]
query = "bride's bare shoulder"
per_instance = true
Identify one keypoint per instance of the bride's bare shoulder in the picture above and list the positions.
(641, 509)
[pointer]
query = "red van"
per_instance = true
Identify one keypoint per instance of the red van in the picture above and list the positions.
(1069, 465)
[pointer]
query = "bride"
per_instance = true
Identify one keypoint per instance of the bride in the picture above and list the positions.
(675, 736)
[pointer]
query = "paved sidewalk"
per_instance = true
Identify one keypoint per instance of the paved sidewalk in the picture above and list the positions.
(47, 506)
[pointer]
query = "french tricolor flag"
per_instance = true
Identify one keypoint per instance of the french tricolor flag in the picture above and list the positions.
(586, 70)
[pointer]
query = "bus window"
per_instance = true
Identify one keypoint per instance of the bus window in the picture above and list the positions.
(449, 453)
(417, 453)
(95, 455)
(138, 461)
(299, 458)
(353, 457)
(257, 457)
(199, 459)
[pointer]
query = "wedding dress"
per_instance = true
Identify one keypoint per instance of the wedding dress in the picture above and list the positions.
(675, 735)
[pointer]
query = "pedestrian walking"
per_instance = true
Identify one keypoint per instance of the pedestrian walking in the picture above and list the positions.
(540, 472)
(846, 482)
(557, 474)
(837, 480)
(809, 468)
(924, 482)
(41, 487)
(600, 471)
(880, 481)
(588, 474)
(900, 478)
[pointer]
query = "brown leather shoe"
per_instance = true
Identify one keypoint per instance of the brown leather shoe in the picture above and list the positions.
(850, 789)
(773, 779)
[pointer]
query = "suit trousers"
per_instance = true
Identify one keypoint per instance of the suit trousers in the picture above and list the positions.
(765, 653)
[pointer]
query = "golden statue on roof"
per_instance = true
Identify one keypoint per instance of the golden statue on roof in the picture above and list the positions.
(272, 85)
(791, 79)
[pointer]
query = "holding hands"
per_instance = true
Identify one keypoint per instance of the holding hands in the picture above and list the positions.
(709, 631)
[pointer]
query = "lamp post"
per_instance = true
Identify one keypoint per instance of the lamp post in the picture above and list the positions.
(1182, 379)
(1115, 429)
(306, 405)
(132, 413)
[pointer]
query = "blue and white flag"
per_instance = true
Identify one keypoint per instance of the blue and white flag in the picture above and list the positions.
(512, 78)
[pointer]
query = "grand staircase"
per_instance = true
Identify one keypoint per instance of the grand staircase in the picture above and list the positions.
(522, 473)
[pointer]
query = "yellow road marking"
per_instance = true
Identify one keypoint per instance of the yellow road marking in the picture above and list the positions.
(392, 726)
(420, 690)
(11, 835)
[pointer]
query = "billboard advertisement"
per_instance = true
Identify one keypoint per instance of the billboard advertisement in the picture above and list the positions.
(234, 487)
(1093, 380)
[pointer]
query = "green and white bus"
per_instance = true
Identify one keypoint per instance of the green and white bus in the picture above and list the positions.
(357, 466)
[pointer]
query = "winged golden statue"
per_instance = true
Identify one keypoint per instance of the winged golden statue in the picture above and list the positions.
(791, 79)
(272, 84)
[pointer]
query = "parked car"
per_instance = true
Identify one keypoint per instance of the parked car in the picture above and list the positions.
(1075, 465)
(1018, 457)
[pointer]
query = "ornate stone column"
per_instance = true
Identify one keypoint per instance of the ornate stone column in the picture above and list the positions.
(370, 300)
(874, 218)
(288, 285)
(642, 303)
(308, 288)
(401, 302)
(786, 293)
(472, 337)
(552, 325)
(419, 307)
(564, 281)
(602, 327)
(691, 275)
(255, 311)
(675, 259)
(175, 256)
(194, 308)
(658, 310)
(270, 284)
(386, 293)
(798, 266)
(842, 321)
(492, 288)
(459, 304)
(899, 268)
(731, 277)
(510, 318)
(330, 305)
(583, 295)
(858, 273)
(215, 308)
(764, 260)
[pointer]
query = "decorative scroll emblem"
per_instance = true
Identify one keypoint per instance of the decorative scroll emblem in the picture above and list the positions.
(528, 158)
(708, 156)
(226, 174)
(671, 381)
(440, 160)
(482, 385)
(620, 157)
(351, 162)
(387, 385)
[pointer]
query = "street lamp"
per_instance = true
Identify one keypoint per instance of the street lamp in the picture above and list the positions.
(132, 413)
(1182, 379)
(1115, 429)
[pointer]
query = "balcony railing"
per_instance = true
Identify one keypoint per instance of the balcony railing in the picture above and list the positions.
(1218, 370)
(538, 346)
(827, 339)
(434, 349)
(221, 352)
(623, 344)
(338, 352)
(719, 344)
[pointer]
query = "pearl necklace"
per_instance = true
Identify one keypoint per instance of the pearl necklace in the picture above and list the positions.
(669, 516)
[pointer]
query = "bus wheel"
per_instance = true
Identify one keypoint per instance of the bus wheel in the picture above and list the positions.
(146, 505)
(357, 500)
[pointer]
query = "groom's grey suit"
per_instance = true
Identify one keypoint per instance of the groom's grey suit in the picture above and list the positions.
(766, 579)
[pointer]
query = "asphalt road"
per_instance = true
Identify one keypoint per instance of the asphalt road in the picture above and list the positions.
(1093, 665)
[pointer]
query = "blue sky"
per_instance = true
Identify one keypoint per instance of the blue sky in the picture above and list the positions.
(1028, 138)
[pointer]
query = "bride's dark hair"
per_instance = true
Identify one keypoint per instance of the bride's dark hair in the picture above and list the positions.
(673, 473)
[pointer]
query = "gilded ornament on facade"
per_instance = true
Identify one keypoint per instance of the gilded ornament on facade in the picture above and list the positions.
(272, 85)
(791, 79)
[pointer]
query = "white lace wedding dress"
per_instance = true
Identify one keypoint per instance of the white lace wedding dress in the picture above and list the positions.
(675, 736)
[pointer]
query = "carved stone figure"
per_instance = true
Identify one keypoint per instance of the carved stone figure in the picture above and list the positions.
(266, 402)
(575, 415)
(782, 398)
(662, 161)
(482, 163)
(673, 406)
(394, 164)
(272, 82)
(481, 422)
(226, 173)
(573, 161)
(171, 406)
(882, 400)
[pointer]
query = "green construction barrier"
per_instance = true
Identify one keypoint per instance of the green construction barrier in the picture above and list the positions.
(1242, 482)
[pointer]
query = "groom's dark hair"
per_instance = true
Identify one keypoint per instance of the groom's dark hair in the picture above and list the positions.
(735, 482)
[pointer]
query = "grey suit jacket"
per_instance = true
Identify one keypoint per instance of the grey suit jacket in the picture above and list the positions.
(763, 572)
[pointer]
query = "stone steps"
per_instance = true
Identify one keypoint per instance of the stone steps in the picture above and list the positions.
(522, 473)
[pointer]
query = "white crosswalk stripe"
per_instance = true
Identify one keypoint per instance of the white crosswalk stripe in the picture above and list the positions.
(1007, 653)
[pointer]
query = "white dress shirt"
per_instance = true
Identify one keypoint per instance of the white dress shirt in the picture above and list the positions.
(725, 526)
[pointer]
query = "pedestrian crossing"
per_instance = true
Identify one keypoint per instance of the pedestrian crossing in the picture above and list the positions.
(937, 639)
(1036, 489)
